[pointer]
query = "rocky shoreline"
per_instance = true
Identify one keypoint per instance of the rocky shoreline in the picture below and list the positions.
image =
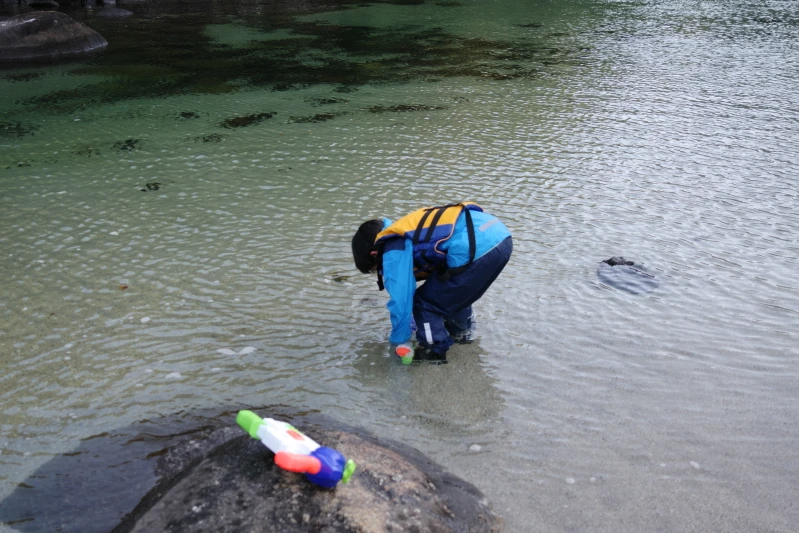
(200, 472)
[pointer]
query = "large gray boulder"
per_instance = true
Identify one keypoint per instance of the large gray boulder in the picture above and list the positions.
(199, 472)
(46, 35)
(228, 482)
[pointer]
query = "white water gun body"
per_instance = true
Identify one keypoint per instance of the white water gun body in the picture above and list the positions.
(295, 452)
(283, 437)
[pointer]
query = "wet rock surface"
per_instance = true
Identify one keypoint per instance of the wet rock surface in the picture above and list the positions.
(226, 481)
(46, 35)
(200, 472)
(618, 260)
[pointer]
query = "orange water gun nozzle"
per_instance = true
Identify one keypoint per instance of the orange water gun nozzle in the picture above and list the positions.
(294, 462)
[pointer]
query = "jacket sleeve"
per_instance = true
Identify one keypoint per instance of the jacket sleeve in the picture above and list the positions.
(400, 283)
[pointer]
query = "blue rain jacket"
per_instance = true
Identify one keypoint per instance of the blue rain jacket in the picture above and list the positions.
(398, 276)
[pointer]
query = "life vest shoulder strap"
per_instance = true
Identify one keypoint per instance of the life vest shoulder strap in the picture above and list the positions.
(413, 226)
(447, 273)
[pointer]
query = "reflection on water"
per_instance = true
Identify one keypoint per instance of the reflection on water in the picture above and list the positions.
(176, 217)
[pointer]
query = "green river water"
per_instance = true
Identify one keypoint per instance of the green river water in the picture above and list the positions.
(176, 215)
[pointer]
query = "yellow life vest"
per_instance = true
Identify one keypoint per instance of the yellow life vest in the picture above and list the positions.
(428, 228)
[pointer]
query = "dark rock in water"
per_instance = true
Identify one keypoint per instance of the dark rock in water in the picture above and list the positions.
(127, 145)
(110, 12)
(200, 472)
(46, 35)
(247, 120)
(227, 481)
(618, 260)
(619, 273)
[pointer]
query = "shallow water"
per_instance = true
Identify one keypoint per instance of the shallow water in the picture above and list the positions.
(666, 132)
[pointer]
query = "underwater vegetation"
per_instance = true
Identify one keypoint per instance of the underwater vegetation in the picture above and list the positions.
(403, 108)
(23, 76)
(321, 117)
(246, 120)
(86, 151)
(12, 130)
(160, 54)
(166, 51)
(326, 101)
(210, 138)
(127, 145)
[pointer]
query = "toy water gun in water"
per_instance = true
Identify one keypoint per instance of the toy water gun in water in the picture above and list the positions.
(406, 349)
(295, 452)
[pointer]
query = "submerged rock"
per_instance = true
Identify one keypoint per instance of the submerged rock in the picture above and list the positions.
(46, 35)
(618, 260)
(624, 275)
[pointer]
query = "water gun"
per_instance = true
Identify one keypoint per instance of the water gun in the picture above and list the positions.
(295, 452)
(406, 349)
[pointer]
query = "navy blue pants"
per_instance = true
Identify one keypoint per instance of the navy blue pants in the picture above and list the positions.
(444, 308)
